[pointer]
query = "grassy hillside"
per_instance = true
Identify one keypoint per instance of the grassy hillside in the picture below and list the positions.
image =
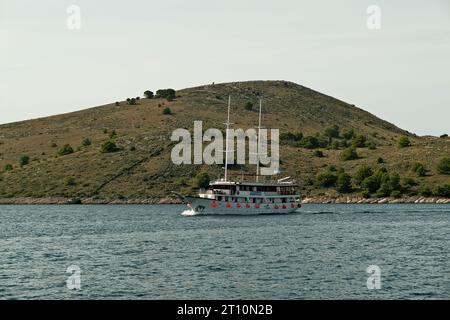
(142, 169)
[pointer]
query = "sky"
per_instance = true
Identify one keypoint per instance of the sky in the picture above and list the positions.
(399, 71)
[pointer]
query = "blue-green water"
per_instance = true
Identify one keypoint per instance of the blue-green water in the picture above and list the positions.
(153, 252)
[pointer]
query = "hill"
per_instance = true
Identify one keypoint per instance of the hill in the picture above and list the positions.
(140, 170)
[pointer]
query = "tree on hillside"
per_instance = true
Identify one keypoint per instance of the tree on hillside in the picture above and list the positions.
(363, 173)
(348, 134)
(443, 166)
(359, 141)
(167, 111)
(332, 132)
(65, 150)
(419, 169)
(349, 154)
(24, 160)
(202, 180)
(404, 142)
(169, 94)
(149, 94)
(344, 183)
(310, 142)
(326, 180)
(109, 146)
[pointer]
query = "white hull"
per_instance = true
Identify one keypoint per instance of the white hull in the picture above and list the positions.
(210, 206)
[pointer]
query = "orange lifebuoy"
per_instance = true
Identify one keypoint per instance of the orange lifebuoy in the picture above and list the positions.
(257, 205)
(292, 205)
(238, 205)
(276, 206)
(247, 206)
(228, 205)
(283, 206)
(213, 204)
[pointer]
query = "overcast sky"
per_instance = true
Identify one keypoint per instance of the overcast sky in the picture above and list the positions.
(400, 72)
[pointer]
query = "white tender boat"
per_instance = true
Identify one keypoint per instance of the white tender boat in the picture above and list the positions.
(246, 197)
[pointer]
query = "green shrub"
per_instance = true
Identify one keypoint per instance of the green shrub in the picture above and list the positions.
(443, 166)
(24, 160)
(384, 190)
(332, 132)
(442, 190)
(349, 154)
(169, 94)
(326, 180)
(113, 134)
(409, 182)
(248, 106)
(348, 134)
(394, 182)
(359, 141)
(335, 145)
(202, 180)
(419, 169)
(371, 184)
(310, 142)
(380, 160)
(70, 181)
(167, 111)
(149, 94)
(372, 146)
(8, 167)
(290, 138)
(343, 144)
(425, 191)
(86, 142)
(318, 154)
(65, 150)
(117, 104)
(344, 183)
(109, 146)
(396, 194)
(363, 173)
(365, 194)
(404, 142)
(444, 136)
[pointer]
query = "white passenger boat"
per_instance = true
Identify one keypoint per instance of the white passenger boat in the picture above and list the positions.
(228, 196)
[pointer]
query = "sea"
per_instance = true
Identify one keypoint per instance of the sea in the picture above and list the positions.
(333, 251)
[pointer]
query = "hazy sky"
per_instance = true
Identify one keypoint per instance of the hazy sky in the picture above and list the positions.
(400, 73)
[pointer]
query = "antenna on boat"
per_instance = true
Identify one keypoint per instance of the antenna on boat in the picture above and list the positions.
(226, 139)
(259, 137)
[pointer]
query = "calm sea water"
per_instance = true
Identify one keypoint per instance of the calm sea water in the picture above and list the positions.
(154, 252)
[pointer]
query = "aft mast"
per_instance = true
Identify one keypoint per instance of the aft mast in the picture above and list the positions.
(259, 138)
(226, 139)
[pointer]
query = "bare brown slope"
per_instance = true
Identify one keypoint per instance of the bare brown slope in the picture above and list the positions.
(142, 169)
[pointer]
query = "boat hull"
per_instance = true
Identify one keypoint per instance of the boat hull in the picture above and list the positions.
(211, 206)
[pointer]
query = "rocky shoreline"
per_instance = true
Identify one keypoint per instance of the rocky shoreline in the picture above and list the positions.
(306, 200)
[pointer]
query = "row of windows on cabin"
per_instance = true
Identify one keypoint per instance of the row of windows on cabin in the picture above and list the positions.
(256, 188)
(255, 200)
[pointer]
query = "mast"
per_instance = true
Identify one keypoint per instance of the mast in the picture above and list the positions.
(226, 139)
(259, 137)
